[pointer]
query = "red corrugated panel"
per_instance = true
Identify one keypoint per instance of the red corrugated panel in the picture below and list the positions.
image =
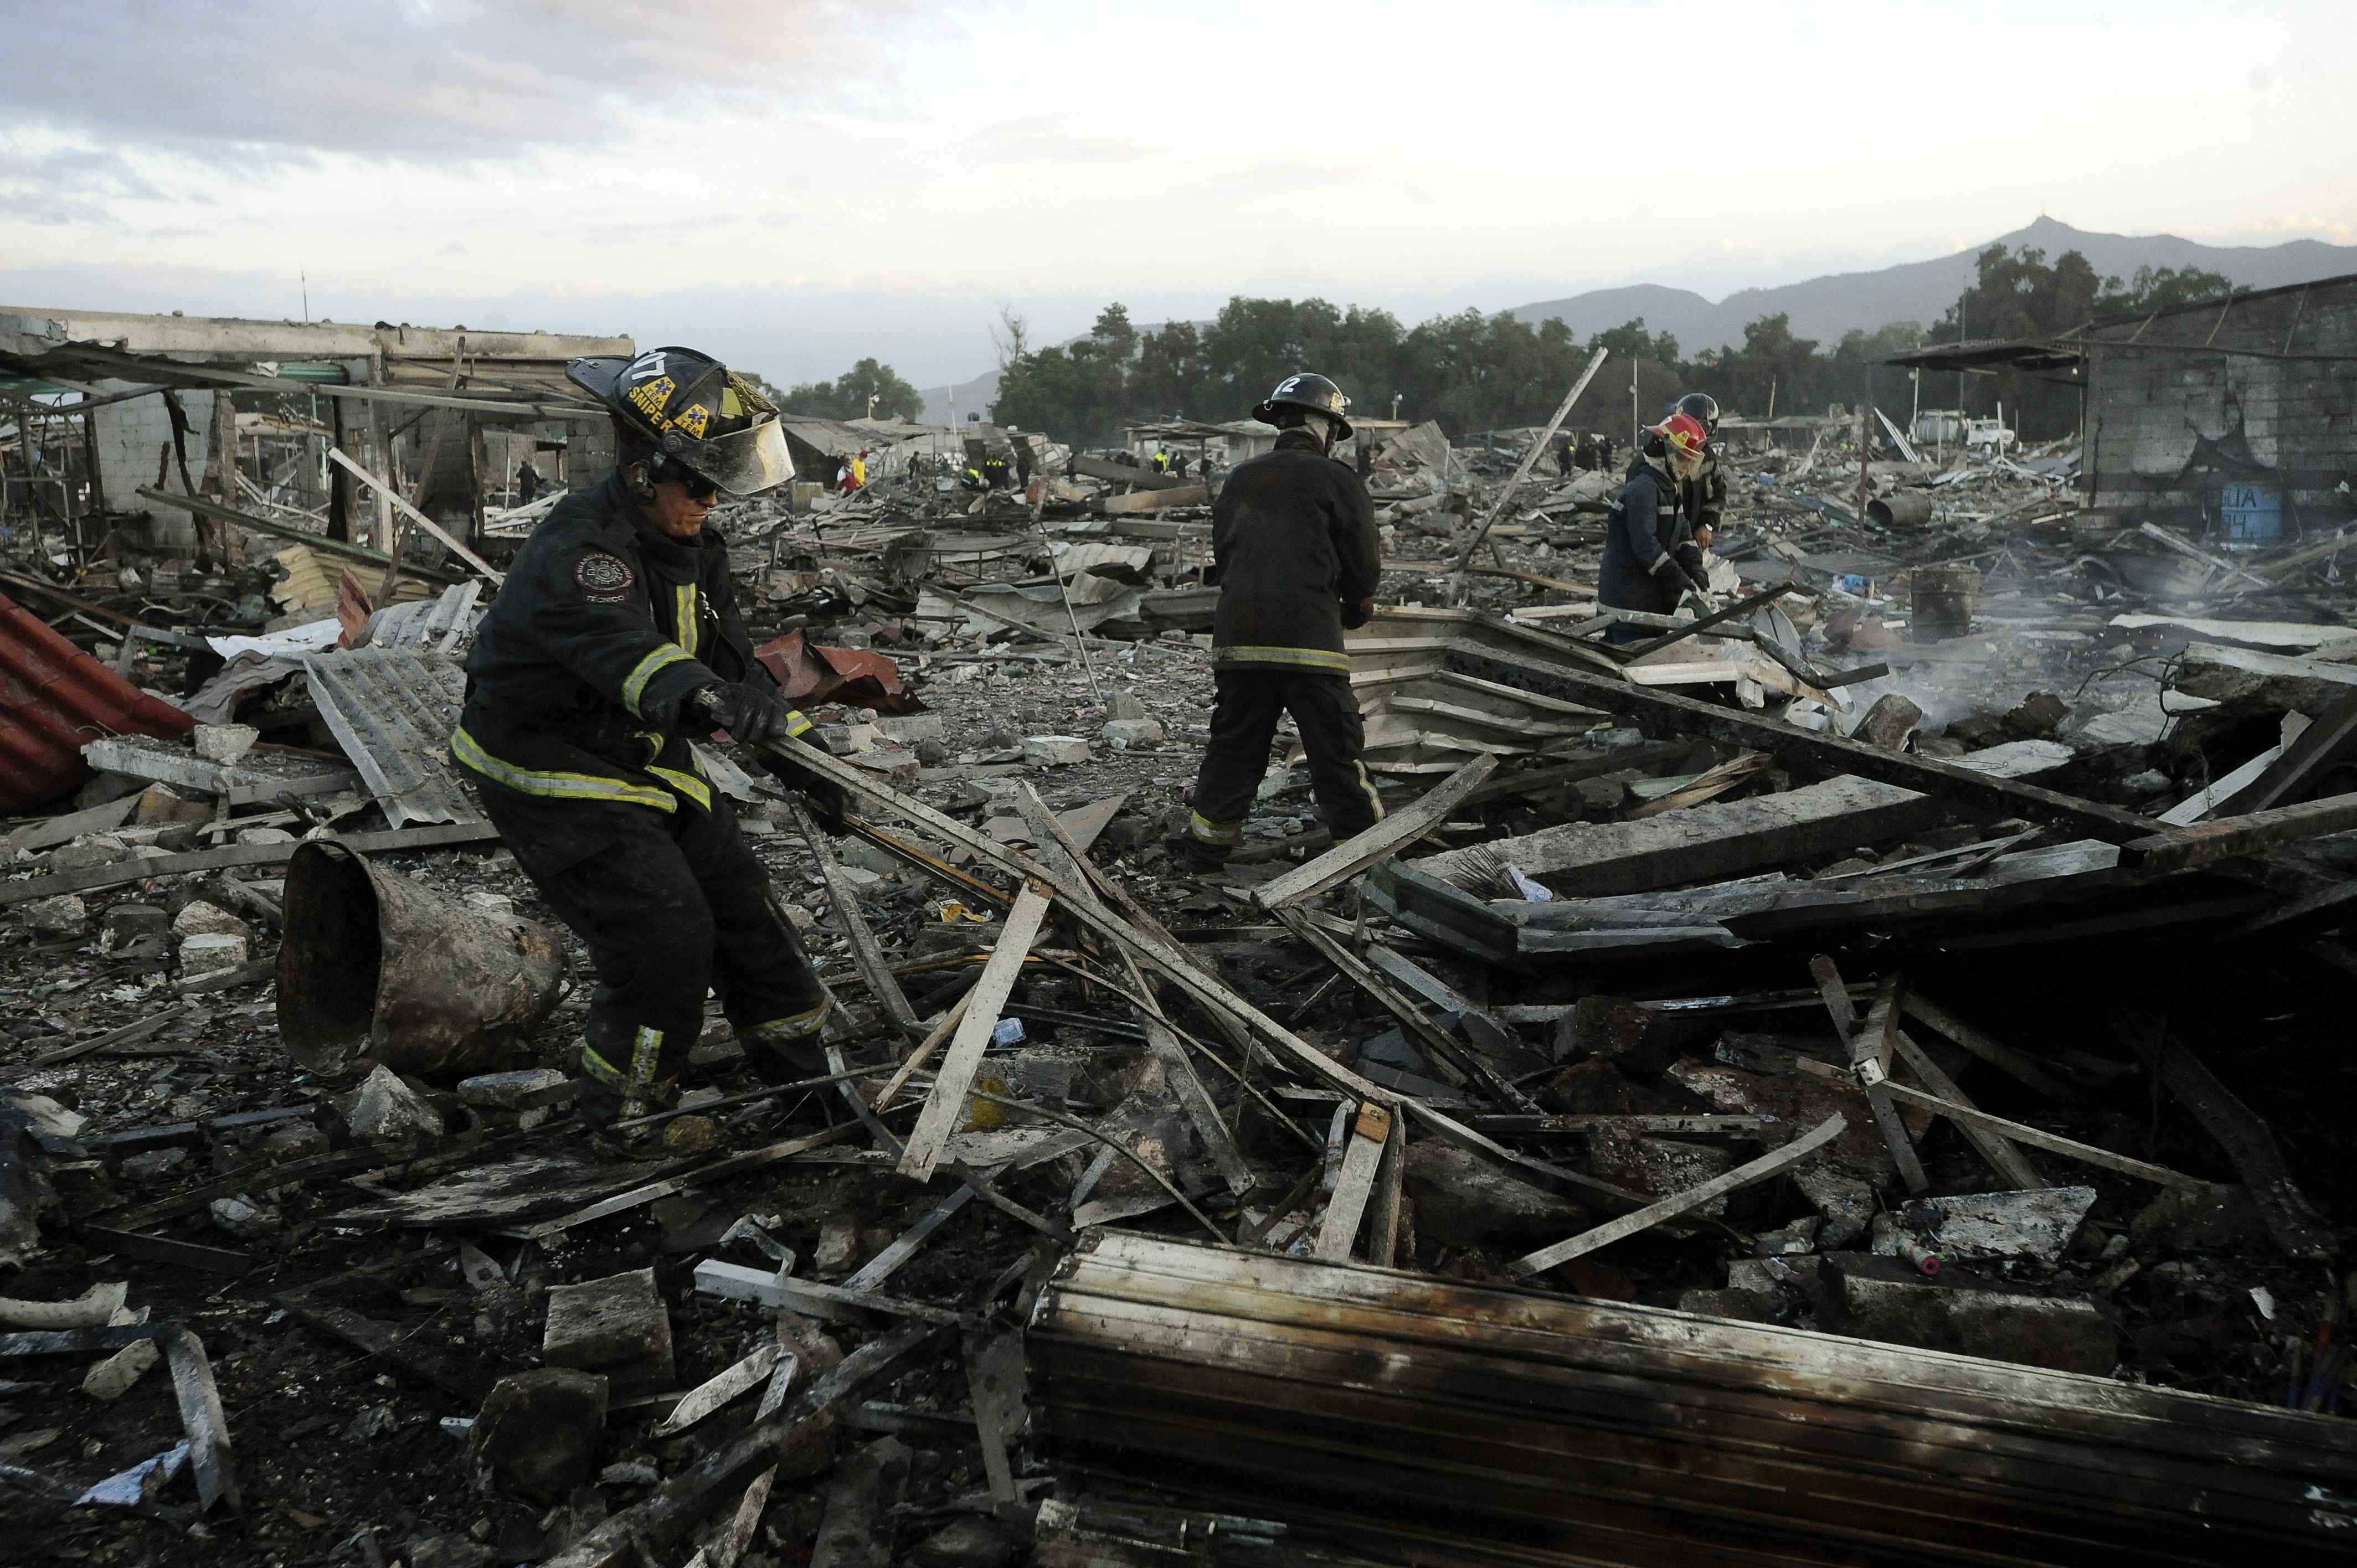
(54, 697)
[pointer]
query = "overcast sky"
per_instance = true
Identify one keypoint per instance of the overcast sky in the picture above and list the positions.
(794, 185)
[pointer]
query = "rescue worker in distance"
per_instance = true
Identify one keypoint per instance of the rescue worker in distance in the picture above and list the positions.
(1651, 560)
(1297, 561)
(615, 637)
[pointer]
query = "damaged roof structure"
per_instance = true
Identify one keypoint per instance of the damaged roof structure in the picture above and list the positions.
(1834, 1081)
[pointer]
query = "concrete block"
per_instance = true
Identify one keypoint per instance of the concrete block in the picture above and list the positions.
(617, 1325)
(1125, 705)
(900, 769)
(511, 1091)
(988, 792)
(198, 919)
(225, 743)
(1055, 750)
(385, 1109)
(1885, 1299)
(1744, 1306)
(844, 740)
(908, 729)
(1123, 734)
(60, 915)
(1464, 1200)
(92, 848)
(540, 1431)
(128, 923)
(160, 806)
(1658, 1166)
(112, 1379)
(211, 952)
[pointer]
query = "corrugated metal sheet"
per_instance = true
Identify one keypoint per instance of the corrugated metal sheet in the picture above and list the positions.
(392, 710)
(440, 625)
(53, 698)
(1449, 1424)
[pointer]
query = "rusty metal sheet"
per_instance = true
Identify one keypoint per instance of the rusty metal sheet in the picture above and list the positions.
(1456, 1424)
(53, 699)
(809, 673)
(392, 710)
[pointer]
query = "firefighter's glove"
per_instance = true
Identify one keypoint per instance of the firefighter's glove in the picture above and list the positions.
(751, 714)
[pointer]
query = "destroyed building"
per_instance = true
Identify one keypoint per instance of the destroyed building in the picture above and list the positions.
(2233, 419)
(1844, 1080)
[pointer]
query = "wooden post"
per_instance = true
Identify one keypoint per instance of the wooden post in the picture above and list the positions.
(380, 427)
(475, 459)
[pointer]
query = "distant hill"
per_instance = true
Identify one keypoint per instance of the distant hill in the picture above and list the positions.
(1825, 307)
(965, 398)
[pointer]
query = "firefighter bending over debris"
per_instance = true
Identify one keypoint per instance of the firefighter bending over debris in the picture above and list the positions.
(1296, 560)
(1651, 560)
(616, 627)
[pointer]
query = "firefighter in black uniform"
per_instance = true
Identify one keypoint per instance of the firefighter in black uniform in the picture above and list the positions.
(1651, 560)
(1296, 560)
(1704, 498)
(615, 630)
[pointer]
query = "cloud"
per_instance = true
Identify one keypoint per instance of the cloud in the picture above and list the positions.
(71, 186)
(453, 80)
(1057, 138)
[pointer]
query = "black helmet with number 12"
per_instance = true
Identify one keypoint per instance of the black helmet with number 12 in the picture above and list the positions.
(1311, 392)
(1702, 407)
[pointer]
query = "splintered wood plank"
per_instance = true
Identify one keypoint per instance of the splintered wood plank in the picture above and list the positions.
(1386, 838)
(945, 1106)
(1196, 1101)
(1703, 844)
(865, 954)
(1652, 1214)
(2038, 1138)
(2003, 1158)
(201, 1417)
(1384, 1209)
(1872, 1045)
(1997, 1053)
(1369, 1132)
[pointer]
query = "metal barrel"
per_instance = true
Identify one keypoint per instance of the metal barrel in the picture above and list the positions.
(1909, 508)
(376, 965)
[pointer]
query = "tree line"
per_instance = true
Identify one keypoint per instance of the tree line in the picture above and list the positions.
(1473, 373)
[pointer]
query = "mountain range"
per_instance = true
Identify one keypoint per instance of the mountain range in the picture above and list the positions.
(1825, 307)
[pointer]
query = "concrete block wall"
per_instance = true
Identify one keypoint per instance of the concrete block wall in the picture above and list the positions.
(128, 435)
(2148, 401)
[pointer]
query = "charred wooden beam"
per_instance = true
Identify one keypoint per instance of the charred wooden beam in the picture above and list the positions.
(1451, 1423)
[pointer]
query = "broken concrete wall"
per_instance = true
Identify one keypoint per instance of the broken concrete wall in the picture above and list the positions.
(130, 435)
(2169, 412)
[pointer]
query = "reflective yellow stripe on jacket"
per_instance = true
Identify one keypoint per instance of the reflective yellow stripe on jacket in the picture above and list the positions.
(635, 685)
(1292, 657)
(466, 750)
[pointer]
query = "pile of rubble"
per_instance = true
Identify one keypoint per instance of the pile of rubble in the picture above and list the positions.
(1830, 1082)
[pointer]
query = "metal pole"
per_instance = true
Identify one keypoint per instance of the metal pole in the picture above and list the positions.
(1522, 469)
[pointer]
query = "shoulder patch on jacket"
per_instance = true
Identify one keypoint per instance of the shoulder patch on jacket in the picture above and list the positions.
(603, 577)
